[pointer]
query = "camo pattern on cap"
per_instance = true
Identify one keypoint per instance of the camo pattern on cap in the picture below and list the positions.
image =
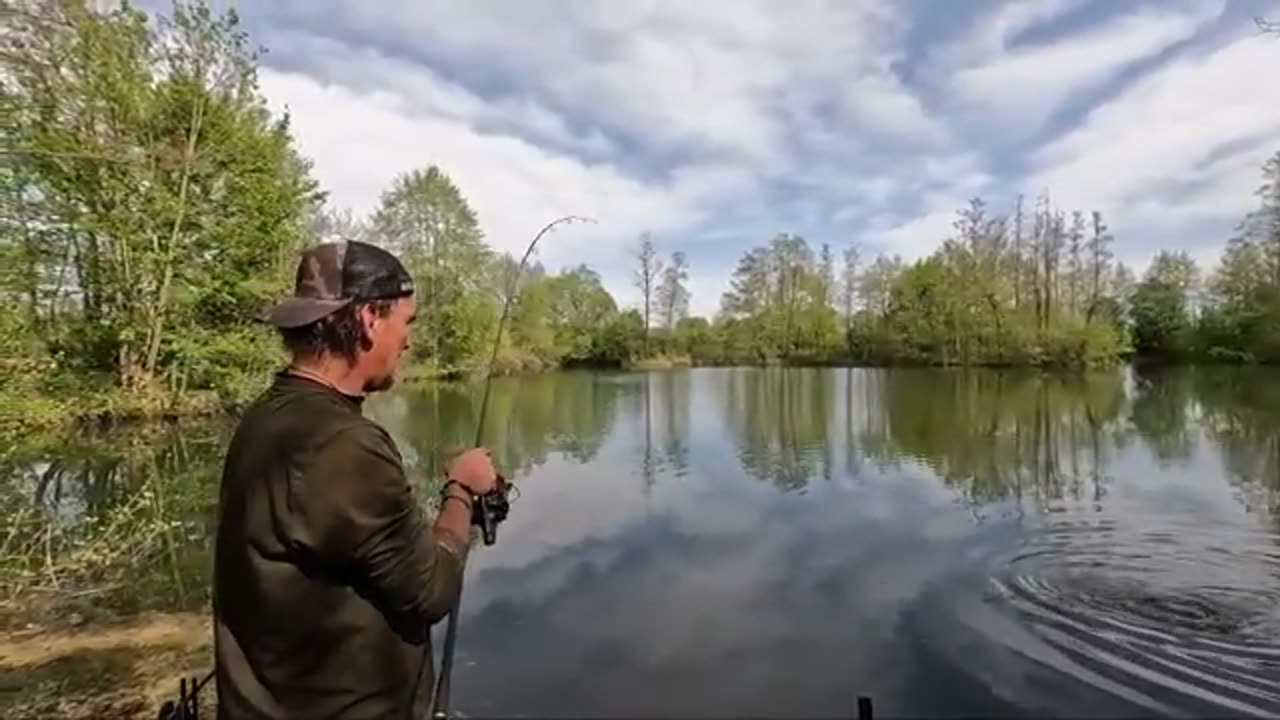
(320, 272)
(332, 275)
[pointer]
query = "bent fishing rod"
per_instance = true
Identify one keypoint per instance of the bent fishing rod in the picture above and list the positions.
(490, 509)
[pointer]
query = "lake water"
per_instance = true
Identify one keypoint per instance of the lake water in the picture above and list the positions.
(777, 542)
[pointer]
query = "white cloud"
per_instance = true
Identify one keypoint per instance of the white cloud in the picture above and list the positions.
(677, 77)
(717, 96)
(1128, 155)
(878, 102)
(359, 141)
(917, 237)
(1021, 88)
(418, 88)
(713, 129)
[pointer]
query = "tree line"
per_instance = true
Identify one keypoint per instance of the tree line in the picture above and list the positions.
(150, 204)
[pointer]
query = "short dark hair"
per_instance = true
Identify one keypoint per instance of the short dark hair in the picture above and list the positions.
(339, 333)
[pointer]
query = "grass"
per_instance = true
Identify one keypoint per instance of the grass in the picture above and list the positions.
(121, 669)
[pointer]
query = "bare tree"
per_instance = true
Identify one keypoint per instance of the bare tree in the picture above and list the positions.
(646, 277)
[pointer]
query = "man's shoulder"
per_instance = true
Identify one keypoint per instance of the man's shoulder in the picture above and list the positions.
(364, 432)
(310, 419)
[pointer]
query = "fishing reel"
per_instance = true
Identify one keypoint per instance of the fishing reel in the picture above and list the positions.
(490, 509)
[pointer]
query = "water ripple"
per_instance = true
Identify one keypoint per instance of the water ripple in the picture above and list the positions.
(1189, 614)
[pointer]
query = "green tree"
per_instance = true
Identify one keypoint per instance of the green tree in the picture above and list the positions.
(1161, 321)
(581, 309)
(424, 217)
(154, 202)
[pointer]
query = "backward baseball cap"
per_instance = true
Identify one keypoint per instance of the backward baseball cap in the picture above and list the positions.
(333, 275)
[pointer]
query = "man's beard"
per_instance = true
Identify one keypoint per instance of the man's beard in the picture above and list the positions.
(380, 384)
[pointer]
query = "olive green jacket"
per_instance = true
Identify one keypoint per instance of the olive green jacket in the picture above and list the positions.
(327, 577)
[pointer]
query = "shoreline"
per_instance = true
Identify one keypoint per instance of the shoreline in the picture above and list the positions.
(24, 412)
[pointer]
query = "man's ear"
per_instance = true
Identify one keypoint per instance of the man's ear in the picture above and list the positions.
(368, 320)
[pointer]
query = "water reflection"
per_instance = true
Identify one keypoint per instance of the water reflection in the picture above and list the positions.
(97, 525)
(529, 418)
(781, 420)
(776, 542)
(922, 529)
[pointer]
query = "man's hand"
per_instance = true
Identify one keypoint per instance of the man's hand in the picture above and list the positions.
(473, 470)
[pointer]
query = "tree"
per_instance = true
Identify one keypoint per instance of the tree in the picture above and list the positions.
(877, 284)
(849, 292)
(647, 272)
(1075, 263)
(424, 218)
(673, 295)
(1262, 225)
(1161, 323)
(748, 292)
(580, 308)
(1099, 254)
(160, 204)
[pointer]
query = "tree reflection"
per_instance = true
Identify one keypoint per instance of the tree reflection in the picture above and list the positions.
(1161, 404)
(1241, 412)
(1006, 435)
(1024, 437)
(119, 523)
(674, 391)
(125, 520)
(528, 418)
(992, 435)
(779, 418)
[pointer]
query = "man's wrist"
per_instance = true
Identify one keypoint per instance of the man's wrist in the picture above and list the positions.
(461, 499)
(461, 489)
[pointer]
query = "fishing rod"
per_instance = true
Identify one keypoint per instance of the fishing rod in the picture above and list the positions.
(489, 509)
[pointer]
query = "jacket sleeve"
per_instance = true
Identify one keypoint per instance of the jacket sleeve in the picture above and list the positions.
(361, 514)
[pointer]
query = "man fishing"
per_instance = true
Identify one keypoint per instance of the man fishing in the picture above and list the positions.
(327, 577)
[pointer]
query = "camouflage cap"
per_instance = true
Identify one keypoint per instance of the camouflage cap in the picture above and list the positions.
(333, 275)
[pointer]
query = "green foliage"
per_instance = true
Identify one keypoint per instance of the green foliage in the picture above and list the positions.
(990, 295)
(424, 218)
(1240, 321)
(152, 203)
(1160, 322)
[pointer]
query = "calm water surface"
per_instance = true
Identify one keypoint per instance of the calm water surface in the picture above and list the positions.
(722, 542)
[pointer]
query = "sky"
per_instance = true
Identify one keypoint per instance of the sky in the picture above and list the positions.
(714, 125)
